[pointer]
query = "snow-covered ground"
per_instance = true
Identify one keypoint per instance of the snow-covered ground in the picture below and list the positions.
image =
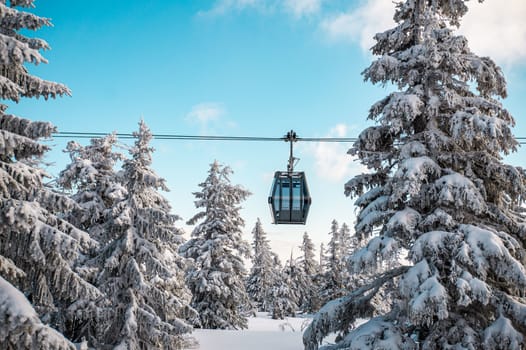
(263, 333)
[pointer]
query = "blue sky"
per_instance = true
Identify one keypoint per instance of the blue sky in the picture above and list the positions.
(242, 68)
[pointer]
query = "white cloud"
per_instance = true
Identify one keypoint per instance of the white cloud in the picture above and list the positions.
(361, 24)
(300, 8)
(222, 7)
(496, 29)
(204, 113)
(331, 158)
(493, 28)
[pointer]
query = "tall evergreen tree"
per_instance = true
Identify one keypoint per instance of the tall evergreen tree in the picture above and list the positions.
(346, 241)
(308, 268)
(217, 249)
(334, 278)
(439, 189)
(284, 291)
(142, 275)
(263, 272)
(95, 185)
(33, 239)
(308, 258)
(322, 257)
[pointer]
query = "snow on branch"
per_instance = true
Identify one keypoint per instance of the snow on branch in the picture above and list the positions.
(14, 52)
(10, 146)
(9, 90)
(460, 192)
(377, 333)
(30, 85)
(412, 174)
(382, 70)
(370, 220)
(391, 39)
(501, 335)
(368, 197)
(16, 20)
(36, 87)
(370, 258)
(342, 313)
(9, 270)
(489, 77)
(413, 149)
(486, 254)
(398, 110)
(20, 327)
(506, 179)
(472, 289)
(22, 3)
(358, 185)
(9, 187)
(430, 245)
(25, 127)
(439, 218)
(427, 297)
(472, 130)
(513, 308)
(379, 204)
(403, 223)
(373, 139)
(34, 43)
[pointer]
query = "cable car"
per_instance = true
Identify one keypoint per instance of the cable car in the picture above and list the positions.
(289, 197)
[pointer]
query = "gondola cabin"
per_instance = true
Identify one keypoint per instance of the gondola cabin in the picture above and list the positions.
(289, 198)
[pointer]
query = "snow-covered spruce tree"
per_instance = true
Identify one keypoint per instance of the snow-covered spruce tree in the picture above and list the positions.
(438, 188)
(322, 257)
(308, 267)
(263, 273)
(32, 238)
(284, 296)
(95, 185)
(346, 240)
(320, 275)
(308, 258)
(97, 189)
(142, 274)
(217, 278)
(296, 281)
(336, 276)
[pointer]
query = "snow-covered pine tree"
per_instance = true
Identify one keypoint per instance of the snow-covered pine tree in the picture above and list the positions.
(308, 258)
(263, 273)
(95, 185)
(217, 278)
(346, 241)
(32, 238)
(322, 257)
(308, 267)
(335, 276)
(438, 188)
(284, 297)
(356, 278)
(320, 275)
(296, 281)
(96, 188)
(142, 274)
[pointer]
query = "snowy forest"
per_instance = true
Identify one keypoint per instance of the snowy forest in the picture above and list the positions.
(434, 259)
